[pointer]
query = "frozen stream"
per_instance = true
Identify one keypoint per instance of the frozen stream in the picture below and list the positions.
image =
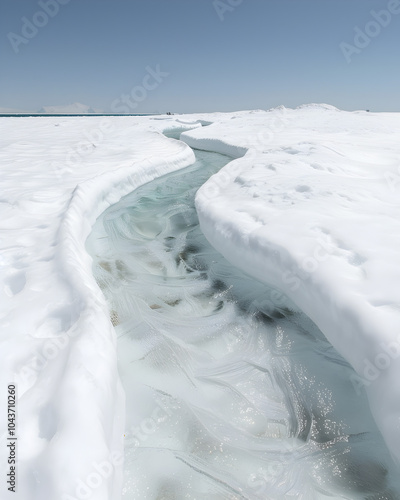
(230, 391)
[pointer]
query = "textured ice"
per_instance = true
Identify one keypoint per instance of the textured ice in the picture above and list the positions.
(313, 176)
(313, 209)
(231, 391)
(58, 345)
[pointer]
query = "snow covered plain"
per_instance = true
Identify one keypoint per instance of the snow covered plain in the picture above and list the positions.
(311, 207)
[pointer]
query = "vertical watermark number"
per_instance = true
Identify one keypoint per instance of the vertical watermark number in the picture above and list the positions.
(12, 439)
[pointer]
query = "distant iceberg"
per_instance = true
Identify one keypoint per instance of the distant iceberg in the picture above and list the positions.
(73, 109)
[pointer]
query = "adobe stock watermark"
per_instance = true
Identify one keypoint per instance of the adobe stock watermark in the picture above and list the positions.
(126, 103)
(372, 29)
(309, 264)
(136, 436)
(373, 368)
(221, 180)
(101, 471)
(278, 298)
(223, 6)
(393, 178)
(92, 139)
(264, 137)
(49, 351)
(30, 28)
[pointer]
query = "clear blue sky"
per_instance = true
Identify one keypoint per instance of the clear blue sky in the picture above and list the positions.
(262, 54)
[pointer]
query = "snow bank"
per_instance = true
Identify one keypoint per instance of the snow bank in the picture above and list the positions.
(310, 205)
(58, 342)
(313, 209)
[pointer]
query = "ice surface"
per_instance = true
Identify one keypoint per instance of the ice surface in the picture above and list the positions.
(318, 173)
(231, 392)
(58, 346)
(313, 209)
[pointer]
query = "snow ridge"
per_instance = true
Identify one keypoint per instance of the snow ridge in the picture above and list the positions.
(61, 347)
(308, 209)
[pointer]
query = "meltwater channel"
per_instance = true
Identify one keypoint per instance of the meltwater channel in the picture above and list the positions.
(231, 392)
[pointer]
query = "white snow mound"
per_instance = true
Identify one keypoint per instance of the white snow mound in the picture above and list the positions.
(313, 208)
(58, 344)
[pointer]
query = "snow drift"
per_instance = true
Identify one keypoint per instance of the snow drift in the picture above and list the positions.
(313, 209)
(58, 342)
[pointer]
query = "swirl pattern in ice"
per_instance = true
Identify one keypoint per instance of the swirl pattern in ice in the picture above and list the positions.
(231, 392)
